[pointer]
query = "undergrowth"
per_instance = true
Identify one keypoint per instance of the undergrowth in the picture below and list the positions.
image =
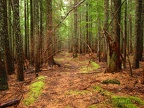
(35, 91)
(120, 101)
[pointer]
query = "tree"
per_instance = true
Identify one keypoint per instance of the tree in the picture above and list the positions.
(114, 61)
(18, 41)
(75, 47)
(50, 33)
(8, 56)
(137, 40)
(3, 75)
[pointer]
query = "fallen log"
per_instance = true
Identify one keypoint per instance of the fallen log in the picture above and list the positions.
(10, 103)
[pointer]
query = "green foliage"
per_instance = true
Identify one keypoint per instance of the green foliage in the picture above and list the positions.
(111, 81)
(35, 91)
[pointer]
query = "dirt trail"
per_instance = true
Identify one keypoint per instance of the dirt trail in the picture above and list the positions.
(68, 86)
(72, 84)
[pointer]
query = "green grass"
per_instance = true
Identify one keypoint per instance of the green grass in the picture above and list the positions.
(35, 91)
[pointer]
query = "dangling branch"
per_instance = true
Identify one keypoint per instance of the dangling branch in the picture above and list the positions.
(76, 6)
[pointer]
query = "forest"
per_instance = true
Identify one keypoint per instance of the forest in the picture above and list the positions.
(71, 54)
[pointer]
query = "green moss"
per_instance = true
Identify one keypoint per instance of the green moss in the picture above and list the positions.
(119, 101)
(41, 78)
(92, 106)
(97, 88)
(127, 102)
(111, 81)
(122, 102)
(91, 67)
(77, 92)
(35, 91)
(94, 65)
(68, 107)
(136, 100)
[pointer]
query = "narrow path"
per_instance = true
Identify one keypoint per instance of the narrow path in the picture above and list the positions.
(69, 87)
(57, 92)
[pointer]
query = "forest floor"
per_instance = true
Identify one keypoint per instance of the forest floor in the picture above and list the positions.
(76, 85)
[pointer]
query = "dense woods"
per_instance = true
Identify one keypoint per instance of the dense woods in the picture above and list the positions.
(33, 32)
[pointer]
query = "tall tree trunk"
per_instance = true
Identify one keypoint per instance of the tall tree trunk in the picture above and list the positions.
(8, 56)
(3, 75)
(106, 17)
(18, 37)
(38, 36)
(50, 33)
(125, 32)
(137, 33)
(75, 47)
(142, 31)
(115, 62)
(32, 30)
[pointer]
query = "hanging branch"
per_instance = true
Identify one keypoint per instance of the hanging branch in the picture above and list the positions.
(77, 5)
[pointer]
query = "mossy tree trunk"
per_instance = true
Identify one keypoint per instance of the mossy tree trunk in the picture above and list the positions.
(114, 61)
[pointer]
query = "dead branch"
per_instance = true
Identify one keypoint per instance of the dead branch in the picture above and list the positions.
(10, 103)
(77, 5)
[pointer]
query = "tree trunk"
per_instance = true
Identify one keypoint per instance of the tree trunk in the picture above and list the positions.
(18, 41)
(137, 33)
(125, 32)
(75, 47)
(3, 75)
(115, 62)
(50, 33)
(8, 56)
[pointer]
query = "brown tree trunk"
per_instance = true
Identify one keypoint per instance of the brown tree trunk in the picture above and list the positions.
(50, 33)
(3, 75)
(75, 46)
(19, 48)
(137, 33)
(115, 62)
(32, 31)
(8, 56)
(125, 32)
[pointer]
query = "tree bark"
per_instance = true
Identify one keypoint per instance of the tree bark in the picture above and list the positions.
(18, 41)
(3, 75)
(115, 62)
(137, 33)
